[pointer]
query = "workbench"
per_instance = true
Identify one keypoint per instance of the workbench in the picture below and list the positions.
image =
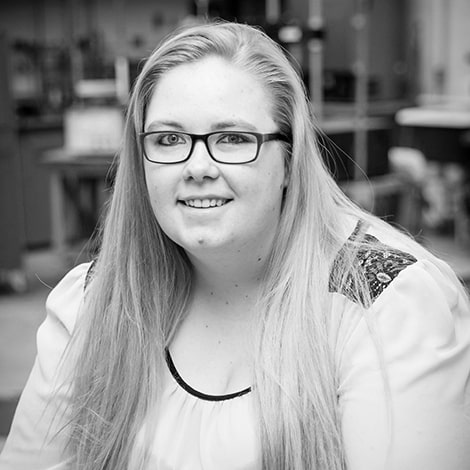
(79, 187)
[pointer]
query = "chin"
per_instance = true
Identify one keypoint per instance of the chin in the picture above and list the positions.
(200, 243)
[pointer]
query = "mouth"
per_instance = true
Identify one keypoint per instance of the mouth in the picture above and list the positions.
(205, 203)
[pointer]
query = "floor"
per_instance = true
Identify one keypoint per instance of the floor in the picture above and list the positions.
(21, 315)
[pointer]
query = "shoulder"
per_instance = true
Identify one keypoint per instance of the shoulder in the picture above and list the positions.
(418, 305)
(35, 439)
(428, 302)
(414, 292)
(65, 300)
(381, 264)
(413, 346)
(377, 263)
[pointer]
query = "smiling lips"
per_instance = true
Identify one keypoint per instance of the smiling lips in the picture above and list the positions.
(205, 203)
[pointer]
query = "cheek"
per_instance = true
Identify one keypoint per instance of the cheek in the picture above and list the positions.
(267, 195)
(156, 192)
(152, 190)
(275, 185)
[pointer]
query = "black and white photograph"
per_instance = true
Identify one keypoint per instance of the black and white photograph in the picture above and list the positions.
(235, 235)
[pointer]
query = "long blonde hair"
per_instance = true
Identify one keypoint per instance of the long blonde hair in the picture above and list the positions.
(142, 280)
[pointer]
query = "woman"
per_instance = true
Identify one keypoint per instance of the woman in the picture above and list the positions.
(242, 313)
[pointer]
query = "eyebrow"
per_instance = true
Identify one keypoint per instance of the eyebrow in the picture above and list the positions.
(230, 124)
(240, 123)
(157, 124)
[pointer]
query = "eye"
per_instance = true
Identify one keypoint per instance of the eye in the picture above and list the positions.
(168, 139)
(236, 138)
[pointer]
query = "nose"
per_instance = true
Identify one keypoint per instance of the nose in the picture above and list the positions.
(200, 165)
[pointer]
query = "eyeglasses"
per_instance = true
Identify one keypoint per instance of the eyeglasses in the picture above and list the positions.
(231, 147)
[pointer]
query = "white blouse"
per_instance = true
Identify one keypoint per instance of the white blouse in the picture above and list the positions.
(196, 431)
(422, 323)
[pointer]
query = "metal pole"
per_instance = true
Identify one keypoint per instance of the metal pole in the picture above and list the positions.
(315, 57)
(361, 68)
(273, 11)
(71, 32)
(202, 8)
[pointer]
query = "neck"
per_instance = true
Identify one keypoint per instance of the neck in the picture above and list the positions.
(227, 284)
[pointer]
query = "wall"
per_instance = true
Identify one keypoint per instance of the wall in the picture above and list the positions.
(458, 63)
(442, 31)
(11, 227)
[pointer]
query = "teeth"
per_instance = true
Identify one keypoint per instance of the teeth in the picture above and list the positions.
(205, 203)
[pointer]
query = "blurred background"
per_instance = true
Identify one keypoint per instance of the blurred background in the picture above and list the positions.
(389, 82)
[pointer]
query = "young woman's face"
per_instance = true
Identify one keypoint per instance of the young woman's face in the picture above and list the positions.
(202, 204)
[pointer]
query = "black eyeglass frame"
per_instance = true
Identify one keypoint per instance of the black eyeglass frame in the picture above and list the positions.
(260, 139)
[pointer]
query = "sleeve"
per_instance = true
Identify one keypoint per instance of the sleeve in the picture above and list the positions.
(418, 340)
(34, 441)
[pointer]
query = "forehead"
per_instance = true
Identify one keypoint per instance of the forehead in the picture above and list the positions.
(201, 94)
